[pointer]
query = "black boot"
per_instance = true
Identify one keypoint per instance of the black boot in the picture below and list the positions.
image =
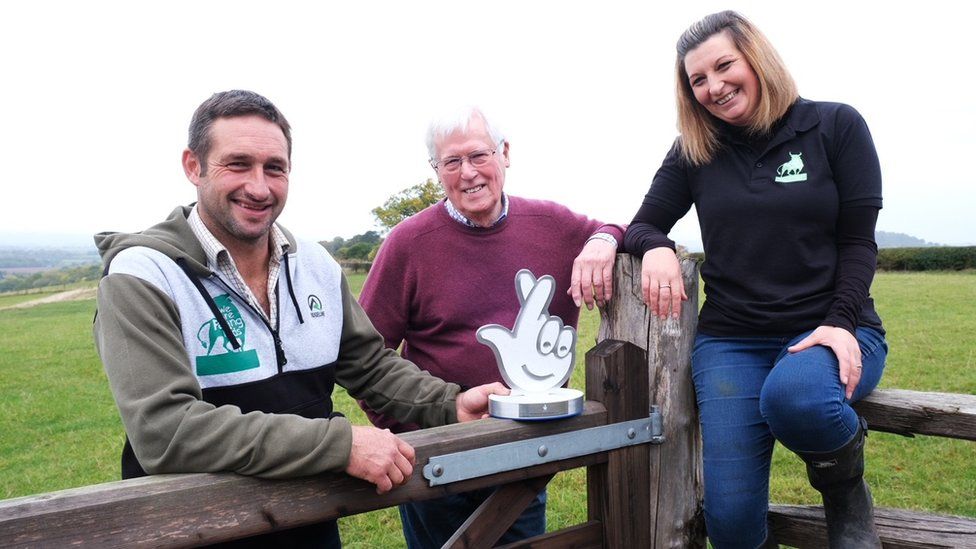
(839, 477)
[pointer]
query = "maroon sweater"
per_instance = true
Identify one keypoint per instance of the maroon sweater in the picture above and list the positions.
(436, 281)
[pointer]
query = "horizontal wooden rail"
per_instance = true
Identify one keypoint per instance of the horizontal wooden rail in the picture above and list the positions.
(191, 510)
(588, 535)
(804, 526)
(918, 413)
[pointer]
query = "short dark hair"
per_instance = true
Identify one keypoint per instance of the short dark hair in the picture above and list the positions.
(229, 104)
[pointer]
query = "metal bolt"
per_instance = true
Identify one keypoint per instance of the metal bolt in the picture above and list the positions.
(438, 470)
(543, 451)
(631, 433)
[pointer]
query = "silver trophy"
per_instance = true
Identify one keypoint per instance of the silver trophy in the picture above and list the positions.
(535, 357)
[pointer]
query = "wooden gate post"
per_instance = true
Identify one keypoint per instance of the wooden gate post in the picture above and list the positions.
(618, 492)
(674, 516)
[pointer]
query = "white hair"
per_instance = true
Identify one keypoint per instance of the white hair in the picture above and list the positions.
(457, 121)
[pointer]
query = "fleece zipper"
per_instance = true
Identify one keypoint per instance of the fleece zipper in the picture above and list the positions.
(280, 357)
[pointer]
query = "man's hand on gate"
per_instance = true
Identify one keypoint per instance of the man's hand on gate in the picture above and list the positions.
(380, 457)
(473, 403)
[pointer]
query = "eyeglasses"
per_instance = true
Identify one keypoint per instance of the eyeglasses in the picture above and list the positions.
(452, 164)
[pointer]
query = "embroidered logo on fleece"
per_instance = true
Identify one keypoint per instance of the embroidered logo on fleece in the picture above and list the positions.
(791, 171)
(315, 306)
(221, 357)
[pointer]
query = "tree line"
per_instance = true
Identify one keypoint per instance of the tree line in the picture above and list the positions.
(363, 247)
(54, 277)
(46, 257)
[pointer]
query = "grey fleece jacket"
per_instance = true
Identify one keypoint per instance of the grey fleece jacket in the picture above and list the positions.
(193, 401)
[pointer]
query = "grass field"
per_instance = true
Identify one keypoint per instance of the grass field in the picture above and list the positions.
(13, 298)
(59, 427)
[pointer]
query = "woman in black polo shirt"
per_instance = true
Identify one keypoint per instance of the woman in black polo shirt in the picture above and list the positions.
(787, 193)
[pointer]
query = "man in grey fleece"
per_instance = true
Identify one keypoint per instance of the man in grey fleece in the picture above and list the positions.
(223, 335)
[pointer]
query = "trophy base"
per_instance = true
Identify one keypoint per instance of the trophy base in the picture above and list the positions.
(554, 404)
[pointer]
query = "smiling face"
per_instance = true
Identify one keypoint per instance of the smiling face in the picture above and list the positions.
(722, 80)
(245, 184)
(475, 191)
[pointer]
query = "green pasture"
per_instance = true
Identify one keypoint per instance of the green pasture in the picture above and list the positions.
(59, 427)
(11, 299)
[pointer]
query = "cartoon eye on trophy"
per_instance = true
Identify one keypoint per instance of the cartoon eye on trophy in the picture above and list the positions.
(535, 357)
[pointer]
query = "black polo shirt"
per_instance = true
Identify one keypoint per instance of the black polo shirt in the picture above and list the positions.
(769, 211)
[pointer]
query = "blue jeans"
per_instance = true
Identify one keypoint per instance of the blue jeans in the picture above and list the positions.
(430, 523)
(750, 391)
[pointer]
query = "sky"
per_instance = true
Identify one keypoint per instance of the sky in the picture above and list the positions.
(98, 96)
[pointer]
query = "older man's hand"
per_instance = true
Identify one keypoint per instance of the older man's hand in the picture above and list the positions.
(592, 280)
(380, 457)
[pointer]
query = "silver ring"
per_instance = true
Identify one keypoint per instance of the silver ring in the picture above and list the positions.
(663, 286)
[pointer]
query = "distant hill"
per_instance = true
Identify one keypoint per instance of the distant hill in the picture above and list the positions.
(900, 240)
(31, 253)
(28, 259)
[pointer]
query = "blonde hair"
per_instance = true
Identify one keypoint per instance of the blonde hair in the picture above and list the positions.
(777, 90)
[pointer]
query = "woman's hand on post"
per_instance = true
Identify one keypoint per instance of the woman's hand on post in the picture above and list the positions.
(845, 348)
(662, 285)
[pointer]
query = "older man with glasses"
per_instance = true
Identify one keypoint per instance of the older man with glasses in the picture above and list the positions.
(448, 270)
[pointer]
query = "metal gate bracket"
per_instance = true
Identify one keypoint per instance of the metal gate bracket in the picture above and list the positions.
(509, 456)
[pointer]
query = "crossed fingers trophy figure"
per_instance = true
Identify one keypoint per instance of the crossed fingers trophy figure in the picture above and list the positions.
(535, 357)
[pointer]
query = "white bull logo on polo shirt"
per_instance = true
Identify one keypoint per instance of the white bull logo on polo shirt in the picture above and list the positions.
(790, 171)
